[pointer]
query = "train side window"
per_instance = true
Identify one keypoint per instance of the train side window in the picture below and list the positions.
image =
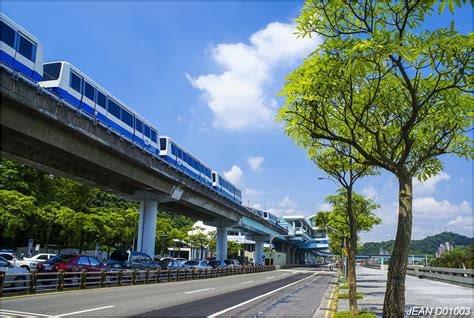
(89, 91)
(173, 150)
(101, 100)
(7, 35)
(180, 153)
(153, 136)
(75, 82)
(114, 109)
(27, 48)
(138, 125)
(147, 131)
(127, 118)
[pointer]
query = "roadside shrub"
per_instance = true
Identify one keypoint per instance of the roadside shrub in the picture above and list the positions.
(346, 296)
(362, 314)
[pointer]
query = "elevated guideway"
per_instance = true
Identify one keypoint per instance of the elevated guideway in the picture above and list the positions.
(41, 131)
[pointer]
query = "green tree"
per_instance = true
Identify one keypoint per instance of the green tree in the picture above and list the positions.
(16, 210)
(337, 161)
(399, 97)
(459, 257)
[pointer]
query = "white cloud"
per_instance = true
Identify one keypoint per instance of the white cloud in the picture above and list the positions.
(287, 203)
(370, 192)
(427, 207)
(237, 97)
(255, 163)
(257, 206)
(234, 175)
(429, 186)
(324, 207)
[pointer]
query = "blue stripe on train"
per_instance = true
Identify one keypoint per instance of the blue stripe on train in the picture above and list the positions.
(18, 66)
(101, 117)
(188, 171)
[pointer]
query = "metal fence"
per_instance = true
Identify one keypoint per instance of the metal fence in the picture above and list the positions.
(458, 276)
(37, 282)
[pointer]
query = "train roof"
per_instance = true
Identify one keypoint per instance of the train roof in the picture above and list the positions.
(106, 91)
(4, 17)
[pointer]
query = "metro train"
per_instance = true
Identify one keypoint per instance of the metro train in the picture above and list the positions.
(72, 85)
(22, 52)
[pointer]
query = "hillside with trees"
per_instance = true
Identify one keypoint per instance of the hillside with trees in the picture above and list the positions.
(428, 245)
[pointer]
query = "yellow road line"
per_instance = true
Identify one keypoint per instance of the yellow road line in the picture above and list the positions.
(329, 302)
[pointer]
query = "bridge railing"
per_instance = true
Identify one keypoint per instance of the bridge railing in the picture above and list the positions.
(450, 275)
(37, 282)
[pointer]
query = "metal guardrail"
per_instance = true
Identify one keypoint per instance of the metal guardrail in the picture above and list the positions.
(37, 282)
(458, 276)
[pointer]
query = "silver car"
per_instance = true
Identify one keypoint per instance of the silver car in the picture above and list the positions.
(197, 264)
(16, 276)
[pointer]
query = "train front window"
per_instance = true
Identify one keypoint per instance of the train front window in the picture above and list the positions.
(51, 71)
(162, 143)
(27, 48)
(7, 35)
(75, 82)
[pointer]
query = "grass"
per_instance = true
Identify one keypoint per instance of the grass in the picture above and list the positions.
(346, 296)
(362, 314)
(343, 286)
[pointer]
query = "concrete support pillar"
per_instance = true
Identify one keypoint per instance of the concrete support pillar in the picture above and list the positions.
(147, 227)
(221, 243)
(259, 253)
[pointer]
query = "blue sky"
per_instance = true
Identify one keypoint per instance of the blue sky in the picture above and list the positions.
(207, 74)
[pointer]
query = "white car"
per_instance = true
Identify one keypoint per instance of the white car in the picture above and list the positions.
(16, 276)
(42, 257)
(15, 261)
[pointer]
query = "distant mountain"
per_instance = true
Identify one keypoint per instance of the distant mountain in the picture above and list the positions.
(428, 245)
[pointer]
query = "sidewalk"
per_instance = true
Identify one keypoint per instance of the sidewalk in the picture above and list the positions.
(418, 293)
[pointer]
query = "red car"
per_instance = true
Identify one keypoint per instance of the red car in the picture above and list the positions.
(72, 263)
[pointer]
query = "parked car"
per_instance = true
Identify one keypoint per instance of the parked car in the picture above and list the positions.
(16, 275)
(72, 263)
(42, 257)
(217, 264)
(171, 264)
(197, 264)
(131, 260)
(15, 261)
(232, 262)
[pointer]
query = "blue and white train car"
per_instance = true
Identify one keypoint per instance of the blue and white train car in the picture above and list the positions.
(20, 50)
(182, 159)
(68, 82)
(271, 218)
(227, 189)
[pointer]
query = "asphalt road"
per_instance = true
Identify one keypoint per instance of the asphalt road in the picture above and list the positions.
(286, 293)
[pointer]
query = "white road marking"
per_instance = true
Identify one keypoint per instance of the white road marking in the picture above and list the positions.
(258, 297)
(269, 277)
(284, 274)
(83, 311)
(197, 291)
(20, 313)
(249, 281)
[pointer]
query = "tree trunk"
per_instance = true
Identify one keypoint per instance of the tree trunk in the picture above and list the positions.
(394, 303)
(351, 273)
